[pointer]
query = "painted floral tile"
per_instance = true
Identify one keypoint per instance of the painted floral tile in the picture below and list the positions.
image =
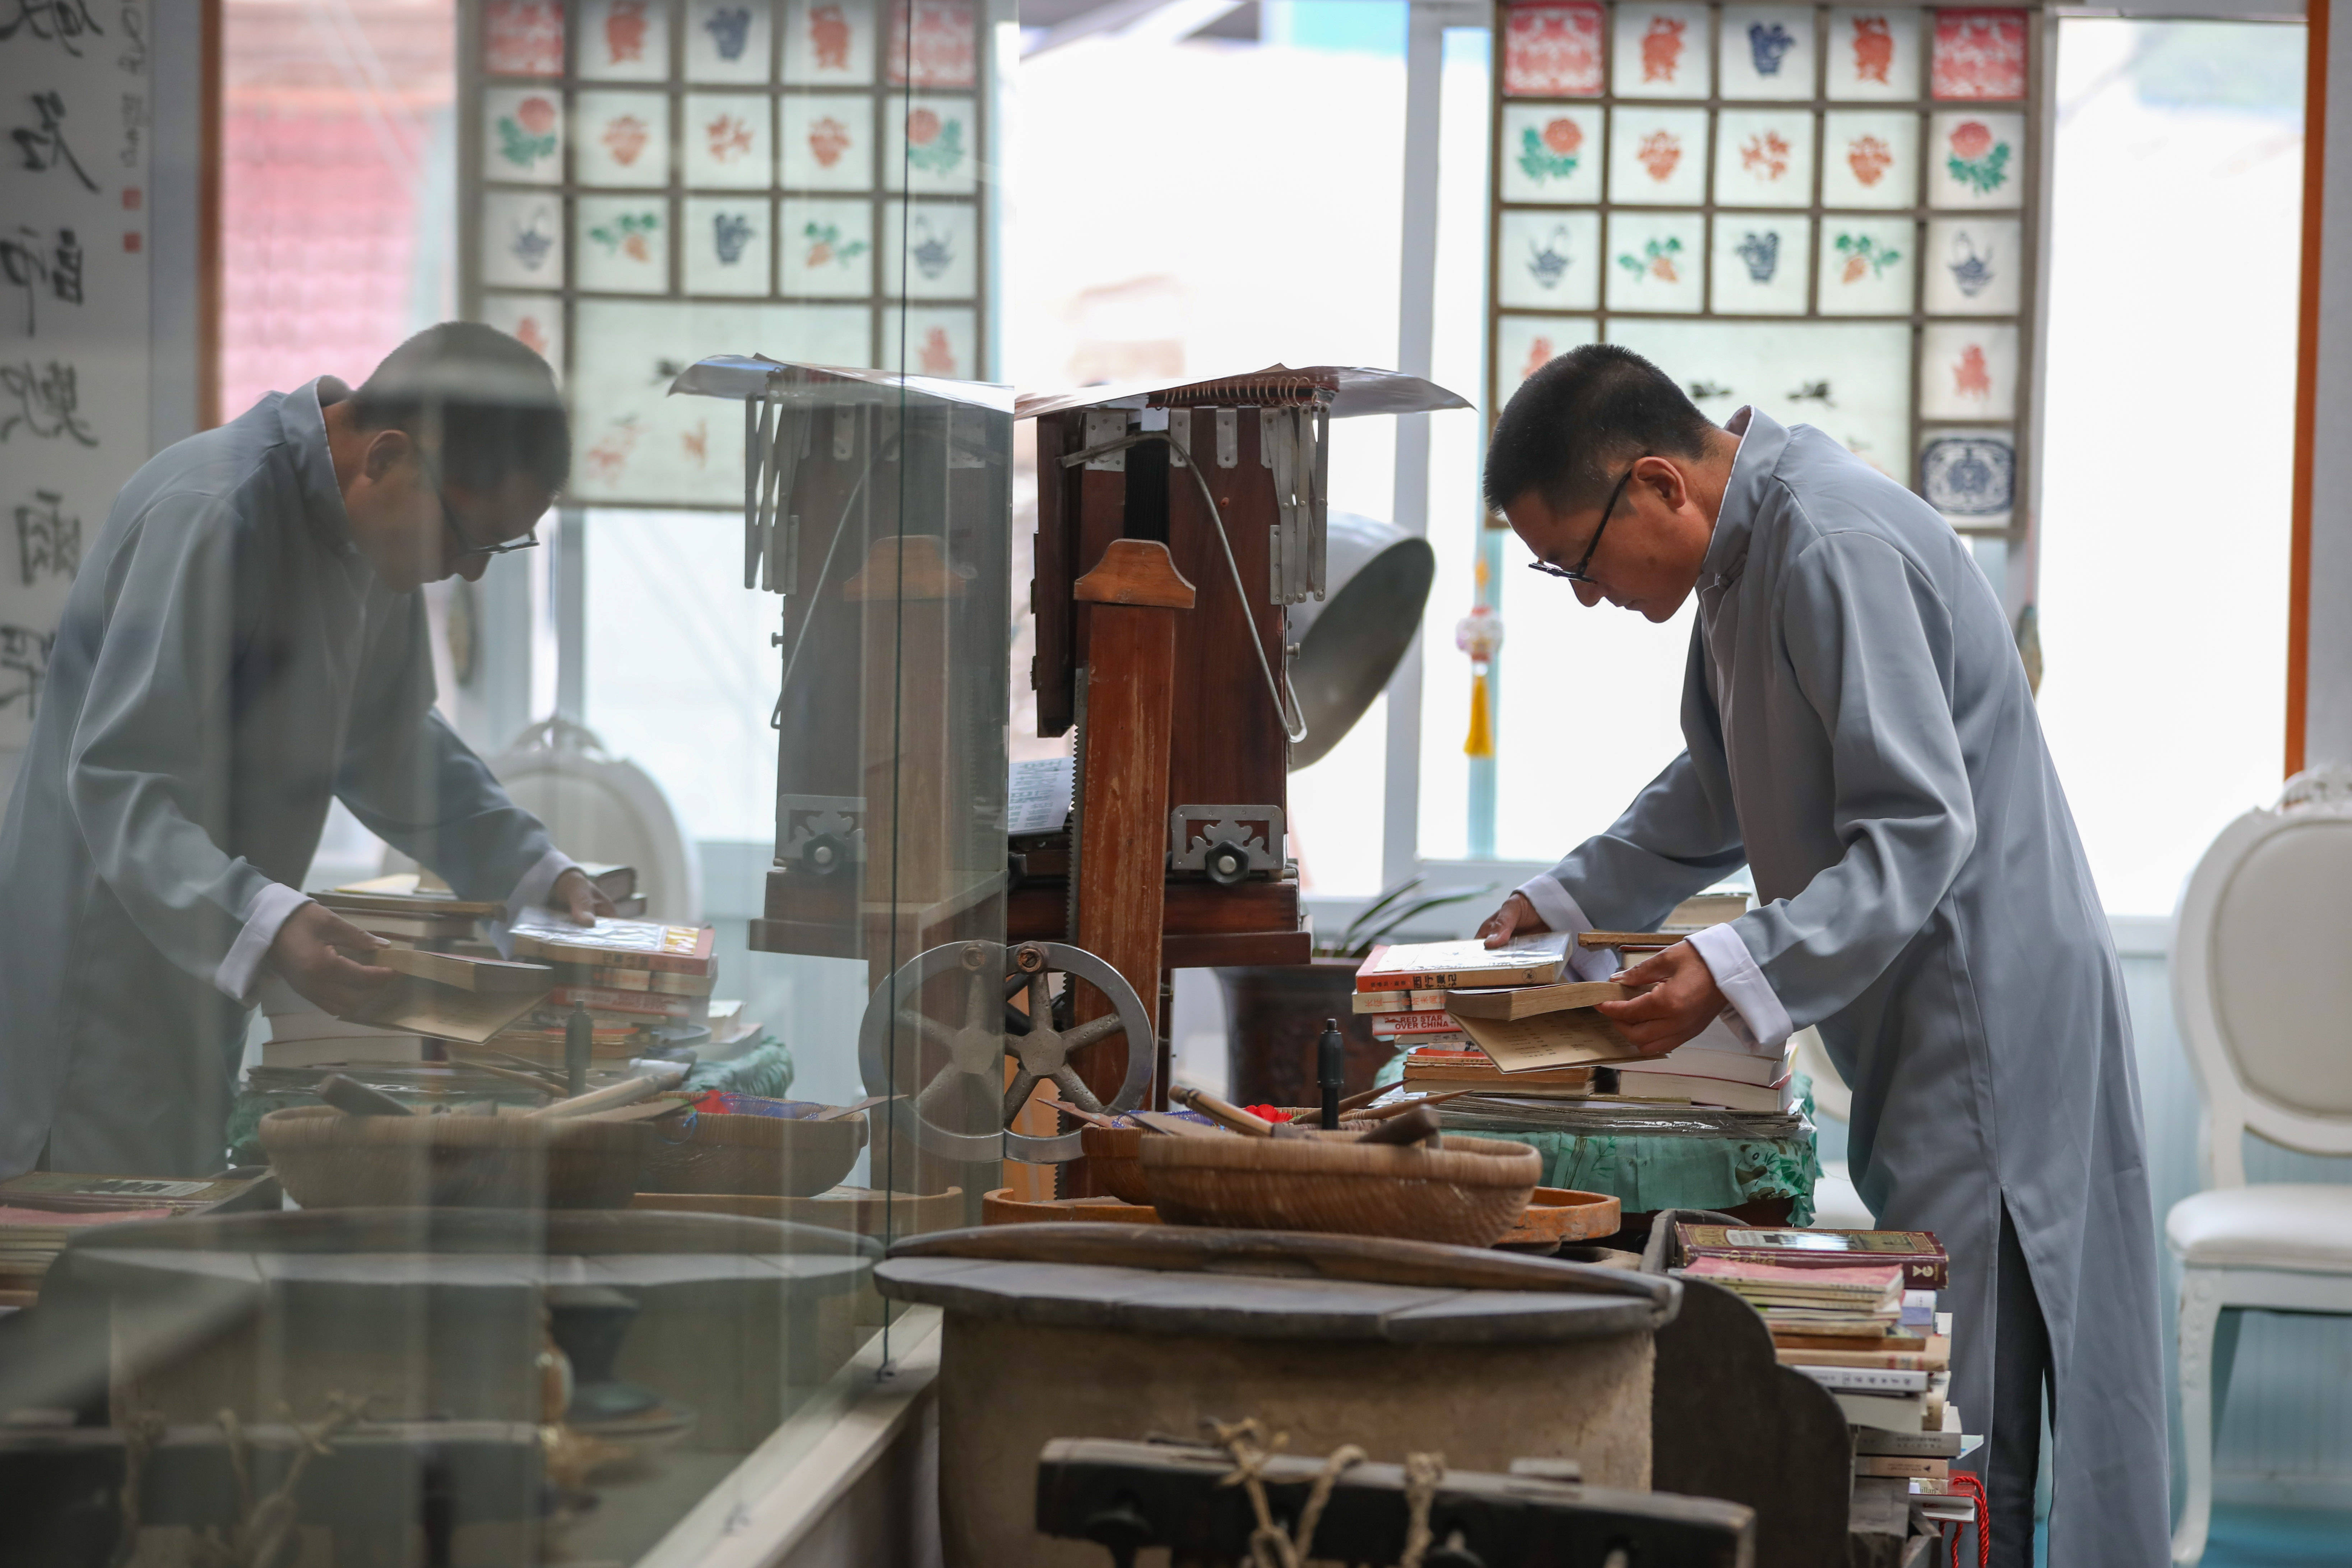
(825, 248)
(727, 141)
(1978, 54)
(1870, 158)
(930, 250)
(1869, 265)
(522, 37)
(623, 40)
(1658, 157)
(1525, 344)
(1552, 51)
(829, 42)
(621, 244)
(1768, 52)
(621, 139)
(827, 140)
(727, 243)
(1975, 265)
(1764, 157)
(1975, 160)
(1661, 52)
(1967, 370)
(534, 320)
(1970, 476)
(1657, 261)
(1850, 378)
(1549, 260)
(522, 135)
(932, 43)
(1873, 54)
(940, 341)
(1761, 264)
(522, 240)
(729, 40)
(930, 146)
(1552, 152)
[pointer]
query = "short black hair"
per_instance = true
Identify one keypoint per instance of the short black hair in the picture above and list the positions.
(1574, 423)
(481, 403)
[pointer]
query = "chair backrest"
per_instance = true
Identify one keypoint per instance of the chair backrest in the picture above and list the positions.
(2261, 976)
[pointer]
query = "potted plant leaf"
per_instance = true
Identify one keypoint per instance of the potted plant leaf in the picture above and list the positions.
(1273, 1013)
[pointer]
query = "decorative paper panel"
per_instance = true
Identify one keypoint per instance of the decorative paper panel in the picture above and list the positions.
(534, 320)
(932, 43)
(1552, 51)
(1552, 152)
(1657, 261)
(623, 138)
(727, 245)
(1850, 378)
(1760, 265)
(1975, 265)
(727, 141)
(1661, 51)
(828, 142)
(621, 244)
(729, 40)
(1768, 52)
(1658, 157)
(1873, 54)
(930, 250)
(1525, 344)
(522, 240)
(1978, 54)
(829, 43)
(932, 146)
(1764, 157)
(1970, 476)
(1869, 266)
(1967, 372)
(1871, 159)
(942, 340)
(827, 248)
(1976, 159)
(623, 40)
(522, 37)
(522, 135)
(1549, 260)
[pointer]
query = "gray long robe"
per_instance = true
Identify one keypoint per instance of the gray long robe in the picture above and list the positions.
(228, 661)
(1860, 733)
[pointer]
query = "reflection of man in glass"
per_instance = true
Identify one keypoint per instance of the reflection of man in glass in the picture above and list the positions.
(243, 642)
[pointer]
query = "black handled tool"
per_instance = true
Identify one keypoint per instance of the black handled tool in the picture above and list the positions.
(1330, 1071)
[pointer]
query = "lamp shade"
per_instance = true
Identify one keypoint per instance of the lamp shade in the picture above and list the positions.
(1351, 642)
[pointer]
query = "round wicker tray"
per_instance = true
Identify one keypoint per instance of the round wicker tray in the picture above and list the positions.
(1466, 1194)
(326, 1159)
(1001, 1207)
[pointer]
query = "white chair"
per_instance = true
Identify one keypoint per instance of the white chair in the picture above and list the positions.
(2262, 988)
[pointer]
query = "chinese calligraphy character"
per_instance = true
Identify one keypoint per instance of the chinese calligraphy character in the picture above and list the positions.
(133, 58)
(45, 148)
(25, 265)
(25, 653)
(49, 542)
(49, 402)
(61, 21)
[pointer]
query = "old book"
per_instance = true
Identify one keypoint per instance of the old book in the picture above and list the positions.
(627, 944)
(444, 1012)
(636, 1004)
(468, 973)
(613, 977)
(1389, 1024)
(1935, 1356)
(1431, 1061)
(1925, 1263)
(1939, 1445)
(1909, 1465)
(413, 929)
(1737, 1066)
(1885, 1411)
(1882, 1336)
(348, 900)
(376, 1046)
(1398, 1001)
(1444, 965)
(1644, 1083)
(1577, 1037)
(1866, 1379)
(1878, 1287)
(1526, 1001)
(1548, 1091)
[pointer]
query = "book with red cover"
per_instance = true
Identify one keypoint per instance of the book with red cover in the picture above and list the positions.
(623, 944)
(1926, 1266)
(1445, 965)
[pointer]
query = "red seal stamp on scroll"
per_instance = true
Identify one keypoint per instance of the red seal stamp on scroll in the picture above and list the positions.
(1978, 54)
(1552, 51)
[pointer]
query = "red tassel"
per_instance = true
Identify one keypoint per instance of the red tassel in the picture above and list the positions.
(1968, 1485)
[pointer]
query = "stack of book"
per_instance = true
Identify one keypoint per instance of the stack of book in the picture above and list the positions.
(410, 913)
(1715, 1069)
(1509, 1003)
(633, 977)
(1429, 1069)
(40, 1211)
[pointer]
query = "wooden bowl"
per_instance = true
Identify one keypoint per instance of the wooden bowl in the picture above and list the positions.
(327, 1159)
(778, 1156)
(1114, 1155)
(1466, 1194)
(1558, 1215)
(859, 1209)
(1001, 1207)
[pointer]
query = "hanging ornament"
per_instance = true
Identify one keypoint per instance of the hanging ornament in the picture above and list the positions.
(1479, 633)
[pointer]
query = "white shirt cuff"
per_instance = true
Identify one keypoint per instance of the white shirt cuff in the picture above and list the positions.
(237, 972)
(1743, 985)
(531, 893)
(1561, 913)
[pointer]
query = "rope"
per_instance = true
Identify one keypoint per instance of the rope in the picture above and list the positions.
(1968, 1485)
(140, 1435)
(1423, 1474)
(1269, 1546)
(264, 1529)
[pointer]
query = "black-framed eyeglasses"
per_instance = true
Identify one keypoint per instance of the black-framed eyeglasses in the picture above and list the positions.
(449, 522)
(1575, 573)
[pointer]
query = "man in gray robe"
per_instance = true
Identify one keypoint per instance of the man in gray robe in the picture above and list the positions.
(1860, 734)
(245, 642)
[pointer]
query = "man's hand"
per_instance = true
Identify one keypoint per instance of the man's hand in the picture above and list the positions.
(582, 898)
(306, 955)
(1680, 1000)
(1516, 917)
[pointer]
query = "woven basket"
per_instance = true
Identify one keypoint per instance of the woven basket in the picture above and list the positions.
(778, 1156)
(1466, 1194)
(327, 1159)
(1112, 1153)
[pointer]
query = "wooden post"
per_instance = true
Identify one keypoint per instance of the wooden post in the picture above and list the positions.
(1133, 595)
